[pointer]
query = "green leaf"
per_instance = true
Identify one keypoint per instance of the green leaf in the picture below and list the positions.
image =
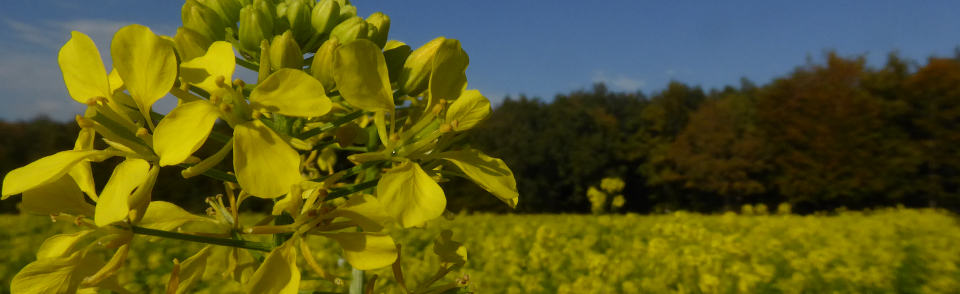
(60, 196)
(83, 71)
(366, 251)
(291, 92)
(114, 205)
(451, 253)
(166, 216)
(468, 110)
(218, 62)
(489, 173)
(266, 165)
(449, 75)
(410, 195)
(362, 77)
(183, 131)
(46, 170)
(278, 273)
(146, 63)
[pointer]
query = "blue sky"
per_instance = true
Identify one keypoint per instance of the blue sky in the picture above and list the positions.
(539, 48)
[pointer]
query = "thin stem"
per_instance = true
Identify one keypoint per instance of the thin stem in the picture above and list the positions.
(336, 193)
(248, 64)
(259, 246)
(336, 123)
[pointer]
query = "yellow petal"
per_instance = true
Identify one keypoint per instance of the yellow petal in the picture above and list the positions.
(55, 275)
(366, 251)
(146, 63)
(45, 170)
(115, 81)
(468, 110)
(60, 196)
(190, 44)
(448, 77)
(82, 173)
(61, 245)
(278, 273)
(114, 200)
(183, 131)
(415, 75)
(291, 92)
(410, 195)
(191, 270)
(266, 165)
(489, 173)
(361, 75)
(140, 199)
(366, 210)
(166, 216)
(109, 269)
(82, 68)
(218, 62)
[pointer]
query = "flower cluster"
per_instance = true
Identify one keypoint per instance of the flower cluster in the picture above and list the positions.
(394, 113)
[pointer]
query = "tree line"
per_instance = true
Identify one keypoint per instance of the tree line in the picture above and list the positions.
(834, 133)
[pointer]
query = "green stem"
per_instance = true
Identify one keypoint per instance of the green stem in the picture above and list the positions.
(259, 246)
(341, 192)
(356, 281)
(340, 121)
(248, 64)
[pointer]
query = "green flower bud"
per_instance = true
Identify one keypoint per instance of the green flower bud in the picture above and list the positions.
(255, 25)
(395, 53)
(347, 11)
(190, 44)
(379, 24)
(415, 75)
(280, 23)
(350, 29)
(322, 66)
(298, 16)
(325, 16)
(285, 53)
(203, 20)
(228, 10)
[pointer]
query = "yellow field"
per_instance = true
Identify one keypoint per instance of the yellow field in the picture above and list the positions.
(888, 251)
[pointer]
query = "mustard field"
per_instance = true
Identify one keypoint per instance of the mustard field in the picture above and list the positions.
(884, 251)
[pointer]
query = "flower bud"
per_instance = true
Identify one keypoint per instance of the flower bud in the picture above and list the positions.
(379, 25)
(298, 16)
(395, 53)
(285, 53)
(228, 10)
(280, 23)
(415, 74)
(350, 29)
(202, 19)
(347, 11)
(322, 66)
(325, 15)
(190, 44)
(255, 26)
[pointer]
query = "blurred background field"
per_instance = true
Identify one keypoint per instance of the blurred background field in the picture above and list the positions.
(892, 250)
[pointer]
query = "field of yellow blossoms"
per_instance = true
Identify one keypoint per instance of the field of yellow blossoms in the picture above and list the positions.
(882, 251)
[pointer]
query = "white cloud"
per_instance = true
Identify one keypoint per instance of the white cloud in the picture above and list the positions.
(619, 82)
